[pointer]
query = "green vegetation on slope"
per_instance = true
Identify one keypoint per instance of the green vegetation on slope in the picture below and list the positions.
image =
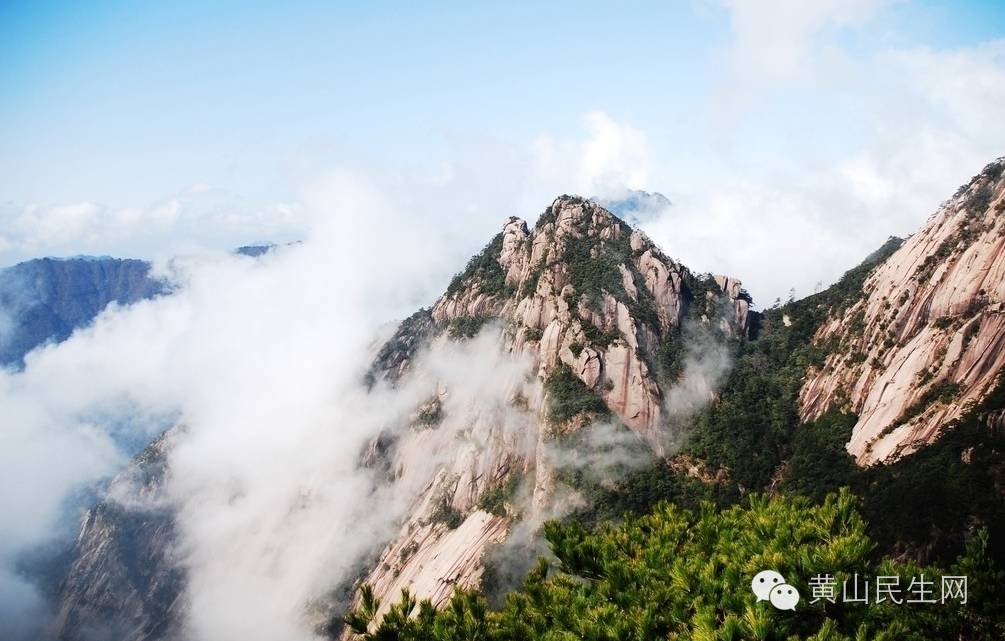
(678, 574)
(445, 513)
(484, 268)
(751, 430)
(678, 566)
(466, 326)
(593, 265)
(569, 396)
(495, 499)
(924, 505)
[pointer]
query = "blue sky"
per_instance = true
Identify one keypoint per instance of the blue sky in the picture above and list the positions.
(123, 106)
(120, 102)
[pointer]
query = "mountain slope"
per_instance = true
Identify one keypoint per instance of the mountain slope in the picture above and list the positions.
(124, 582)
(927, 339)
(46, 299)
(599, 314)
(585, 290)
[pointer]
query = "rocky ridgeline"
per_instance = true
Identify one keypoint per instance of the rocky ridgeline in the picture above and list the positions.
(590, 304)
(582, 289)
(927, 339)
(124, 581)
(581, 304)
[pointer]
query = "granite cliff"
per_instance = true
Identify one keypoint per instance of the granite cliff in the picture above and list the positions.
(598, 313)
(925, 340)
(589, 322)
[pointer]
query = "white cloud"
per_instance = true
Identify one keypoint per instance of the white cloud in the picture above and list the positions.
(479, 183)
(262, 361)
(907, 126)
(783, 40)
(965, 86)
(613, 156)
(198, 218)
(260, 358)
(772, 240)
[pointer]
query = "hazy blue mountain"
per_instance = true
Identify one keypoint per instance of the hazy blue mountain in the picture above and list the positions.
(46, 299)
(636, 207)
(255, 251)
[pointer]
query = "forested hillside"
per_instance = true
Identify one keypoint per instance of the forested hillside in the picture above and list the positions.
(680, 574)
(666, 550)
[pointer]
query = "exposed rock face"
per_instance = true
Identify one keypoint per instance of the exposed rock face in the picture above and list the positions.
(394, 355)
(434, 560)
(927, 339)
(124, 582)
(585, 290)
(582, 291)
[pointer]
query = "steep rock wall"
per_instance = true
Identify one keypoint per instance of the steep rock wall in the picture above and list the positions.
(926, 340)
(581, 290)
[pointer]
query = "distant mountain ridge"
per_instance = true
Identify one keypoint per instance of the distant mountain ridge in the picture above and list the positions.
(636, 207)
(46, 299)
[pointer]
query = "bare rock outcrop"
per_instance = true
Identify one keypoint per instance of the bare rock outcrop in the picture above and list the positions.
(584, 290)
(582, 293)
(927, 339)
(124, 581)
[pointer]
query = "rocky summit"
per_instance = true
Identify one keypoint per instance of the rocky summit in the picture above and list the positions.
(585, 291)
(598, 311)
(600, 320)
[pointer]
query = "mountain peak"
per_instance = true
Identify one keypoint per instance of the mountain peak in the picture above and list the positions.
(598, 312)
(583, 290)
(576, 207)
